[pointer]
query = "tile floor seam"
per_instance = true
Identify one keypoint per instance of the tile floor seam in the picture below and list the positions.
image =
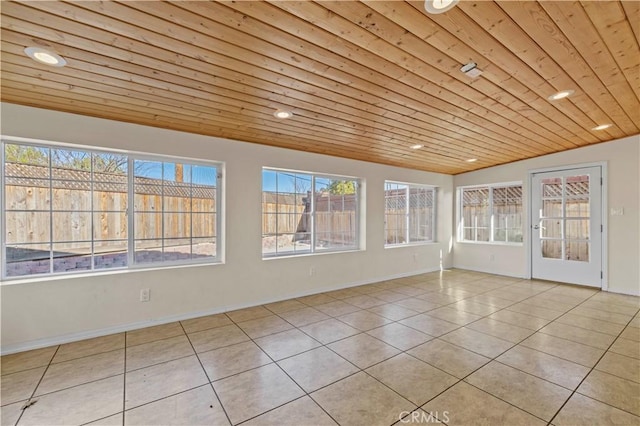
(597, 319)
(37, 385)
(153, 341)
(591, 370)
(444, 371)
(604, 403)
(451, 286)
(87, 356)
(292, 379)
(533, 375)
(557, 356)
(124, 380)
(507, 402)
(207, 376)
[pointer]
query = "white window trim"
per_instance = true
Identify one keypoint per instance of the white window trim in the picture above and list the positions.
(459, 219)
(312, 249)
(131, 265)
(434, 215)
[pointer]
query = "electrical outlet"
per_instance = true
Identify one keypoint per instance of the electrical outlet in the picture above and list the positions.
(415, 257)
(492, 257)
(312, 271)
(145, 295)
(617, 211)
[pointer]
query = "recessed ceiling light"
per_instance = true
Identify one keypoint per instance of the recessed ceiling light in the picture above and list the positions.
(416, 146)
(471, 160)
(602, 127)
(45, 56)
(560, 95)
(439, 6)
(282, 114)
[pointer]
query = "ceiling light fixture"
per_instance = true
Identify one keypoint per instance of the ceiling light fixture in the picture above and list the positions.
(602, 127)
(471, 160)
(439, 6)
(416, 146)
(471, 70)
(45, 56)
(561, 95)
(282, 114)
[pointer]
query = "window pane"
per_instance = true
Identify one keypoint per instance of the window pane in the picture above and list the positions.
(335, 213)
(577, 229)
(148, 251)
(297, 211)
(578, 207)
(577, 251)
(109, 225)
(476, 214)
(175, 202)
(27, 259)
(27, 227)
(421, 204)
(396, 228)
(57, 194)
(110, 254)
(552, 249)
(69, 257)
(72, 226)
(78, 201)
(507, 214)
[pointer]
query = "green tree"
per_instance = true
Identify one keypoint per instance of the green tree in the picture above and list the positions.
(342, 187)
(24, 154)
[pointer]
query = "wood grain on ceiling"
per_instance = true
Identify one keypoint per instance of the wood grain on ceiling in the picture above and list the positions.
(365, 79)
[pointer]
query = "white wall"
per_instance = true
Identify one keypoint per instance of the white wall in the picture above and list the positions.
(41, 312)
(623, 185)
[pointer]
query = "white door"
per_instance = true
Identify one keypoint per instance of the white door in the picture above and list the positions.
(566, 221)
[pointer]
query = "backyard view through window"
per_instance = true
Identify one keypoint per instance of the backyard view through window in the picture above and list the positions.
(491, 213)
(307, 213)
(68, 210)
(409, 214)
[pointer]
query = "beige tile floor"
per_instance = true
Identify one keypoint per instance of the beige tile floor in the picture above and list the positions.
(460, 348)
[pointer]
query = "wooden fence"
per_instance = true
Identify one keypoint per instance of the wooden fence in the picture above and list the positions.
(67, 210)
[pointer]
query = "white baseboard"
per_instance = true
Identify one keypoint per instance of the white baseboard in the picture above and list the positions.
(488, 271)
(74, 337)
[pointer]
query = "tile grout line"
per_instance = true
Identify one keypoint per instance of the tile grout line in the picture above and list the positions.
(305, 393)
(36, 387)
(124, 381)
(359, 309)
(205, 374)
(591, 371)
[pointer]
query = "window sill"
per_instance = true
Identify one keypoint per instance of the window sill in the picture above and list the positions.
(413, 244)
(98, 273)
(491, 243)
(318, 253)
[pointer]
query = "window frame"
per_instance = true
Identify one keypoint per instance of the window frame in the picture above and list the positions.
(129, 212)
(434, 214)
(313, 233)
(490, 187)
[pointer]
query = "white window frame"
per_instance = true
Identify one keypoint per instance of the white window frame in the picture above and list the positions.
(460, 217)
(313, 251)
(434, 214)
(131, 157)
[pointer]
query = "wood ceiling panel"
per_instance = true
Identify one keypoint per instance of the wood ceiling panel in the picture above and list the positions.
(365, 80)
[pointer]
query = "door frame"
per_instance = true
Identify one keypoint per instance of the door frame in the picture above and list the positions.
(604, 215)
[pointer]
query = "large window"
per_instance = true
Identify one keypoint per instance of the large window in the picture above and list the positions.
(409, 215)
(67, 210)
(308, 213)
(491, 213)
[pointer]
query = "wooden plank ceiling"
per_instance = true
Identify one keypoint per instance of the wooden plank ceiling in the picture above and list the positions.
(364, 79)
